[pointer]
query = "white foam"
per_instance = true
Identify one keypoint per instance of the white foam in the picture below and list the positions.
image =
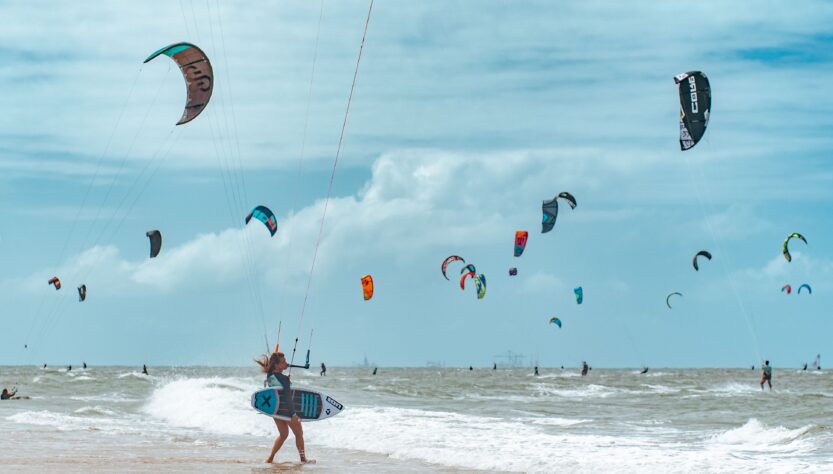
(216, 405)
(755, 436)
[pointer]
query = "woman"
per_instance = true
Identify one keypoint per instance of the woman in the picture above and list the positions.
(274, 365)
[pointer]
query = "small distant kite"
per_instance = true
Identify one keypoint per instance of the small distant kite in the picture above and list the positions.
(702, 253)
(367, 287)
(513, 271)
(695, 107)
(463, 279)
(785, 248)
(265, 215)
(668, 298)
(787, 288)
(810, 290)
(82, 293)
(520, 242)
(449, 260)
(579, 294)
(480, 284)
(155, 238)
(549, 209)
(54, 281)
(556, 321)
(468, 268)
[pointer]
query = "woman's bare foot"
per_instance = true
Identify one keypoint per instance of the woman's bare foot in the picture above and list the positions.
(269, 459)
(307, 461)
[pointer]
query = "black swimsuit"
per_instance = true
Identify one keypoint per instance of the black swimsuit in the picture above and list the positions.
(287, 408)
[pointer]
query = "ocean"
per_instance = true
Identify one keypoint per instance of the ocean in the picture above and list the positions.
(198, 419)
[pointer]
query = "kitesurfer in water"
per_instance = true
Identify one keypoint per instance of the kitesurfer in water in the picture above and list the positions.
(69, 367)
(273, 366)
(584, 368)
(7, 395)
(375, 369)
(536, 370)
(85, 365)
(323, 369)
(145, 369)
(644, 370)
(494, 365)
(805, 367)
(471, 368)
(766, 375)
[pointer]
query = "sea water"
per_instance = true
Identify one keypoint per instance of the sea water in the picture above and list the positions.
(422, 420)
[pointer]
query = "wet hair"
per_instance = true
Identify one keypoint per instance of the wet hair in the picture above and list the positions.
(269, 362)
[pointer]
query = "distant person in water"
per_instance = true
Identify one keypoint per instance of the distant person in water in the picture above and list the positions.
(69, 367)
(536, 370)
(273, 366)
(805, 366)
(494, 365)
(644, 370)
(44, 366)
(7, 395)
(85, 365)
(375, 369)
(584, 368)
(766, 375)
(145, 369)
(471, 368)
(323, 369)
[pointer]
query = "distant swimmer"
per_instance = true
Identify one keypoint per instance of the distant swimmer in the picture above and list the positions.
(7, 395)
(644, 371)
(766, 375)
(145, 369)
(375, 369)
(536, 371)
(323, 369)
(584, 368)
(273, 366)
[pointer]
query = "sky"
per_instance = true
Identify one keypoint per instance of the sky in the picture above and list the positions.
(465, 116)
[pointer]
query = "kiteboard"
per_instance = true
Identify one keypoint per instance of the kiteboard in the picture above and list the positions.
(309, 405)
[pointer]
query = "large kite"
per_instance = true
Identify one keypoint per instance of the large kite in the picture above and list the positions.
(198, 75)
(695, 107)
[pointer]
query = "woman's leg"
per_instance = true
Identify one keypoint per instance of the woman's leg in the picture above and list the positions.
(283, 433)
(298, 431)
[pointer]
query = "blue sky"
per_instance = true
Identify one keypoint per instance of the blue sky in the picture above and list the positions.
(464, 118)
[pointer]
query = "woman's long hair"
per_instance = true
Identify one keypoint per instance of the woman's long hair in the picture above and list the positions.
(269, 362)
